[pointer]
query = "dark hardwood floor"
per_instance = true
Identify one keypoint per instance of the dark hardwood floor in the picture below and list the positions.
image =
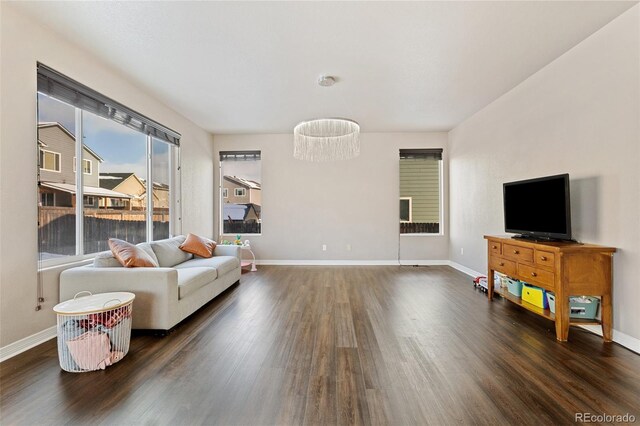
(338, 345)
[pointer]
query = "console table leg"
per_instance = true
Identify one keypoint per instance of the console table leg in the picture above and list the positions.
(562, 317)
(490, 284)
(606, 317)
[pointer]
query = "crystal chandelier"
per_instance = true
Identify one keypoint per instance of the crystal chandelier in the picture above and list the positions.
(326, 139)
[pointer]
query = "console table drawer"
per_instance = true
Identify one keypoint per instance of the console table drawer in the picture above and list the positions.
(505, 266)
(517, 253)
(495, 247)
(536, 275)
(545, 258)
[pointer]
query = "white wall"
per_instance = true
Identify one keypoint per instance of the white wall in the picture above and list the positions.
(581, 115)
(355, 202)
(24, 42)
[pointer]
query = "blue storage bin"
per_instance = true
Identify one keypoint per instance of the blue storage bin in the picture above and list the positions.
(514, 286)
(577, 309)
(583, 307)
(551, 299)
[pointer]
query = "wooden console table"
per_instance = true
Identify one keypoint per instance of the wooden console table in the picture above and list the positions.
(565, 268)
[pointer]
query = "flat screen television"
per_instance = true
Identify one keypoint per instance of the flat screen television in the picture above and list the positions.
(538, 208)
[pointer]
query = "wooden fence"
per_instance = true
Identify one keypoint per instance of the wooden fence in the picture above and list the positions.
(241, 227)
(57, 229)
(419, 228)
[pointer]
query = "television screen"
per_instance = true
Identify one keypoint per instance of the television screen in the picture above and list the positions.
(538, 207)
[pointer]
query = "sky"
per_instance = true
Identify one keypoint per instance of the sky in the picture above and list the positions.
(123, 149)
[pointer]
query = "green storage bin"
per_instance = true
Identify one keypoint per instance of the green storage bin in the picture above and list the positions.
(583, 307)
(577, 309)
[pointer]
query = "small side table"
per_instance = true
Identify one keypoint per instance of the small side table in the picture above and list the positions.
(248, 262)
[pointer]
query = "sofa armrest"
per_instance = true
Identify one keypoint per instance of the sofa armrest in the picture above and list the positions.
(227, 250)
(156, 290)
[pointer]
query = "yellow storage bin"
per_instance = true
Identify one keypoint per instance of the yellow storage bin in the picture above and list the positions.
(534, 295)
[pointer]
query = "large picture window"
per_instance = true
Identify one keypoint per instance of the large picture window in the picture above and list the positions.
(126, 177)
(240, 192)
(420, 191)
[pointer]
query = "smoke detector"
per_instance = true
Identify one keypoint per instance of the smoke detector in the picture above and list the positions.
(326, 80)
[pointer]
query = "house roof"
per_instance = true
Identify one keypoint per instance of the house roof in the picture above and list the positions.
(44, 125)
(87, 190)
(238, 211)
(156, 185)
(250, 184)
(111, 180)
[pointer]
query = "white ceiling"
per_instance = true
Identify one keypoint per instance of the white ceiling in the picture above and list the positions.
(251, 67)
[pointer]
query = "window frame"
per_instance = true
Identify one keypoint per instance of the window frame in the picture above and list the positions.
(244, 192)
(410, 199)
(83, 163)
(247, 155)
(225, 192)
(42, 162)
(92, 198)
(441, 209)
(175, 213)
(46, 195)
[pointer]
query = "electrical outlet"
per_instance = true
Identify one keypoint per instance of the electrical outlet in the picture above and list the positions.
(462, 251)
(324, 247)
(348, 247)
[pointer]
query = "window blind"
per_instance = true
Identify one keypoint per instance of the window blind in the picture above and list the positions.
(239, 155)
(431, 153)
(61, 87)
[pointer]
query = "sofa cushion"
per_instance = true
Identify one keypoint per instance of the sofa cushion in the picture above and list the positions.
(146, 247)
(199, 246)
(130, 256)
(106, 260)
(192, 279)
(168, 251)
(222, 264)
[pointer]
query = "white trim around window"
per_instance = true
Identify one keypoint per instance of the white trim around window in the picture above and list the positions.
(410, 199)
(85, 162)
(240, 192)
(56, 155)
(225, 193)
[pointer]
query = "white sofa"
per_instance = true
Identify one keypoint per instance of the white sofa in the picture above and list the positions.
(165, 295)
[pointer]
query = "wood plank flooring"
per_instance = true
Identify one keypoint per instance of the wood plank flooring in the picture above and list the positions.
(337, 345)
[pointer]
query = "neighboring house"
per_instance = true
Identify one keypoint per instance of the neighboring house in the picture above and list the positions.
(419, 191)
(57, 160)
(160, 194)
(237, 190)
(126, 183)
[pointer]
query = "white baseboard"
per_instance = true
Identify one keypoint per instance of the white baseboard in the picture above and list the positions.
(622, 339)
(393, 262)
(464, 269)
(27, 343)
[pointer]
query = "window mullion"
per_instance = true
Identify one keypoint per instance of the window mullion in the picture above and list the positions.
(79, 185)
(149, 188)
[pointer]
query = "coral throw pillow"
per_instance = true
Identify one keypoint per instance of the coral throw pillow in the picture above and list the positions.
(130, 256)
(199, 246)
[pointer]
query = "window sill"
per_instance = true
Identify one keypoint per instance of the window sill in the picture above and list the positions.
(64, 261)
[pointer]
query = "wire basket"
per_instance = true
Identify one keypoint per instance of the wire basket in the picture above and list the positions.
(94, 331)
